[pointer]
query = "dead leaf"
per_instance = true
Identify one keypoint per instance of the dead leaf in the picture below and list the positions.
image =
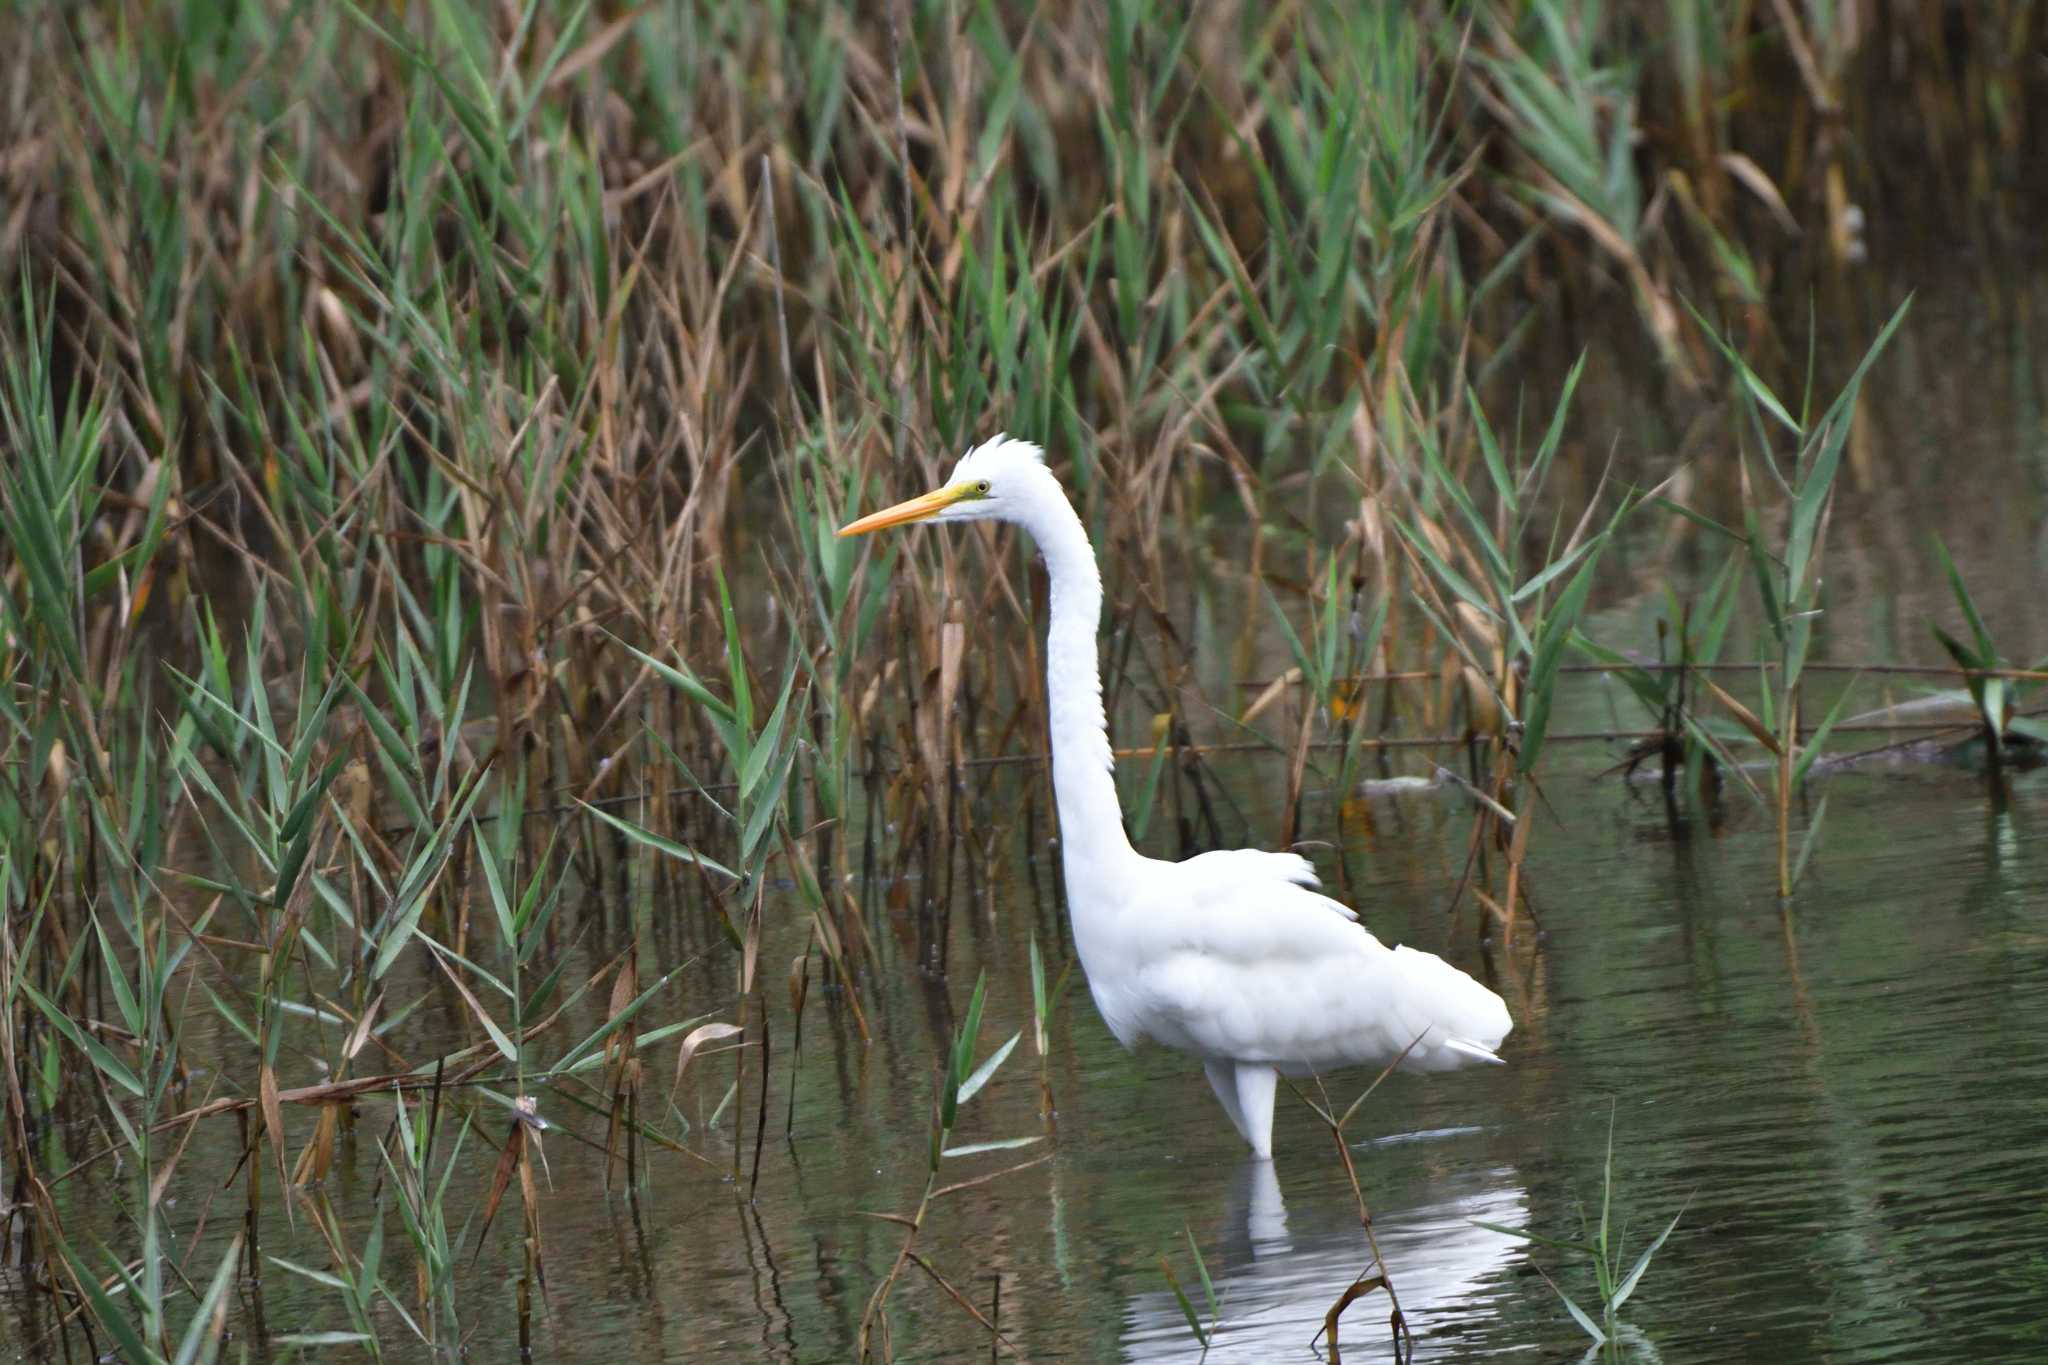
(1274, 690)
(625, 986)
(799, 982)
(360, 1034)
(696, 1038)
(1743, 714)
(273, 1113)
(1756, 182)
(501, 1180)
(318, 1155)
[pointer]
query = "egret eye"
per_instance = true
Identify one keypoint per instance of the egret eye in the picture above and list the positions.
(982, 488)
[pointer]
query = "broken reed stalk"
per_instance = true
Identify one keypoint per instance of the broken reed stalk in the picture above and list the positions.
(1376, 1276)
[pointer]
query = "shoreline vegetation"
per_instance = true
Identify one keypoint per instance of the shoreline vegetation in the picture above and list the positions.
(425, 424)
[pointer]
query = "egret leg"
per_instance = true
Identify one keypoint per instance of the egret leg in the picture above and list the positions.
(1222, 1074)
(1255, 1082)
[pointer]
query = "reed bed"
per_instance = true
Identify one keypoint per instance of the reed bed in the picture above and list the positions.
(425, 425)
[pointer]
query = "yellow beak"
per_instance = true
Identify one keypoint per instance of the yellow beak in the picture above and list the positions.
(917, 509)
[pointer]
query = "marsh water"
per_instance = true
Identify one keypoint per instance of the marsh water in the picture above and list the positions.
(1845, 1099)
(1844, 1095)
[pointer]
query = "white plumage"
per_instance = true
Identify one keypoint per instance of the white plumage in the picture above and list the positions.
(1232, 956)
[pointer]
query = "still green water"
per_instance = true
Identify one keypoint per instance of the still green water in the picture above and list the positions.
(1846, 1099)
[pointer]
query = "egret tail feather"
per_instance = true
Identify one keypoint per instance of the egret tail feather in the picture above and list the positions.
(1255, 1085)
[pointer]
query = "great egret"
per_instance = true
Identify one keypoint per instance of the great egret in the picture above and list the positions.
(1232, 955)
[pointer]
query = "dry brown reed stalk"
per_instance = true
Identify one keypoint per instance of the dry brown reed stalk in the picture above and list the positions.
(1376, 1277)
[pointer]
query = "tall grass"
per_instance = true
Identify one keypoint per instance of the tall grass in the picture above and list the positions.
(425, 425)
(1788, 576)
(1601, 1243)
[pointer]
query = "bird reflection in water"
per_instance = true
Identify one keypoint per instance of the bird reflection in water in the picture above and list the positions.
(1275, 1281)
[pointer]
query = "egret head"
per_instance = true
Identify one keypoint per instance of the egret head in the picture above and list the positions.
(995, 481)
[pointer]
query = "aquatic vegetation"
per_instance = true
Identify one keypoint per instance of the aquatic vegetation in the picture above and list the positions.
(1602, 1245)
(1203, 1322)
(1376, 1276)
(1045, 1003)
(1507, 623)
(1685, 743)
(432, 695)
(1994, 686)
(960, 1079)
(1788, 575)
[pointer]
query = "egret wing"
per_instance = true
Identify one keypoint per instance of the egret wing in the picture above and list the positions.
(1239, 871)
(1243, 963)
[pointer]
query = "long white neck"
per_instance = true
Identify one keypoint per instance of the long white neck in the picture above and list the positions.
(1093, 845)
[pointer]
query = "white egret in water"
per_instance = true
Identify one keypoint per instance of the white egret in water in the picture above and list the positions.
(1232, 955)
